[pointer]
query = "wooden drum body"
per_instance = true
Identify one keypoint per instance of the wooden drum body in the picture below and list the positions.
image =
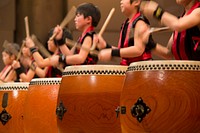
(40, 106)
(161, 96)
(89, 96)
(12, 97)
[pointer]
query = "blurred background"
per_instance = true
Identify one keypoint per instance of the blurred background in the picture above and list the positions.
(46, 14)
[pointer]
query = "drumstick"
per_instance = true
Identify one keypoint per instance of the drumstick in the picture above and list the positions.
(27, 26)
(27, 35)
(106, 22)
(72, 43)
(70, 15)
(41, 47)
(104, 27)
(20, 51)
(154, 29)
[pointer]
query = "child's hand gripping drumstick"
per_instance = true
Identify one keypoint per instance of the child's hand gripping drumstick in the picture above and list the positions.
(70, 15)
(103, 28)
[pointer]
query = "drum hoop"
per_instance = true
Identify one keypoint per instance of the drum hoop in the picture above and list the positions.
(165, 65)
(45, 81)
(14, 86)
(95, 70)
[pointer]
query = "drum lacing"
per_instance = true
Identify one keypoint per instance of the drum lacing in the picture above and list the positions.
(14, 88)
(46, 82)
(164, 67)
(95, 72)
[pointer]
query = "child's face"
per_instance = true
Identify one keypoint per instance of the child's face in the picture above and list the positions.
(26, 52)
(7, 59)
(126, 7)
(80, 22)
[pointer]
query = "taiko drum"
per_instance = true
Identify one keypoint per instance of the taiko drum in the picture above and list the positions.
(161, 96)
(40, 106)
(88, 99)
(12, 97)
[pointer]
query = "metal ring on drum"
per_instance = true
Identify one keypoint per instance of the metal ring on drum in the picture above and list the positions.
(12, 97)
(40, 106)
(161, 96)
(88, 99)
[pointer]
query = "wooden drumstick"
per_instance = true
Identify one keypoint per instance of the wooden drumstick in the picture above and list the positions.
(20, 51)
(27, 35)
(106, 22)
(70, 15)
(155, 29)
(104, 27)
(72, 43)
(41, 47)
(27, 26)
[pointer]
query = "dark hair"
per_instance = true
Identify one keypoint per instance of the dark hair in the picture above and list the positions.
(14, 46)
(88, 9)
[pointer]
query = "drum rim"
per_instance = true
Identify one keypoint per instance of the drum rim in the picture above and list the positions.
(95, 70)
(165, 62)
(46, 81)
(14, 86)
(165, 65)
(88, 67)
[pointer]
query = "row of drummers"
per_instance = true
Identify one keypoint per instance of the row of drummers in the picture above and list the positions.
(148, 96)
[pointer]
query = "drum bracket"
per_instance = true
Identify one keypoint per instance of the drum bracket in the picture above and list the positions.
(4, 117)
(60, 110)
(121, 110)
(117, 110)
(140, 110)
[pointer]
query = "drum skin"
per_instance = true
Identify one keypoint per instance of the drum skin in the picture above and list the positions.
(16, 94)
(40, 106)
(90, 95)
(169, 93)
